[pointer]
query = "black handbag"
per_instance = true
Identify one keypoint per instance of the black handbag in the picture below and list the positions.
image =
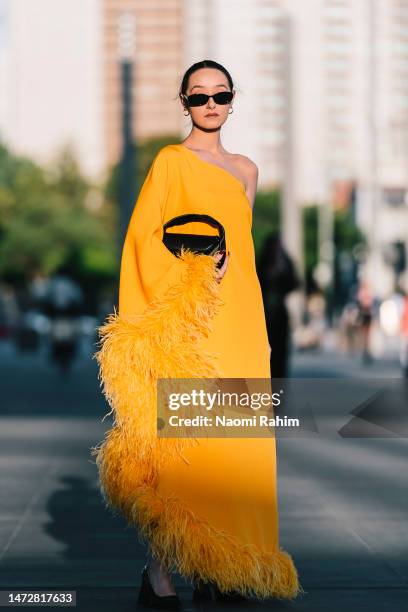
(198, 243)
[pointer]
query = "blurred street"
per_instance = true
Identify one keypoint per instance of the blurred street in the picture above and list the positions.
(343, 510)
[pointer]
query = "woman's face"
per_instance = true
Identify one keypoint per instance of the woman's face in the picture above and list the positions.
(208, 81)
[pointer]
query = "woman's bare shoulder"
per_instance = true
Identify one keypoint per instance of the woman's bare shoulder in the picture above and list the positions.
(249, 171)
(248, 166)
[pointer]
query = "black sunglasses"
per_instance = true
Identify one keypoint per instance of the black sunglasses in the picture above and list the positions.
(222, 97)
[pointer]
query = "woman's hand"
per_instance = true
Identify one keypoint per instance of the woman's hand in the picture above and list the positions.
(221, 271)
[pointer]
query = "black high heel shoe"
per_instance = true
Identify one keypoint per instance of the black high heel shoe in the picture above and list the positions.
(148, 597)
(209, 591)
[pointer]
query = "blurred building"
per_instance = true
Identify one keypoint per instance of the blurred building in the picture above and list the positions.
(158, 59)
(321, 105)
(60, 76)
(51, 71)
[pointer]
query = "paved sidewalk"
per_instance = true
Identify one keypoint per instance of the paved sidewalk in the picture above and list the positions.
(343, 503)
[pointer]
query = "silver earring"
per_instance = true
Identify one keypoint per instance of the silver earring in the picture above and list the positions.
(186, 115)
(232, 110)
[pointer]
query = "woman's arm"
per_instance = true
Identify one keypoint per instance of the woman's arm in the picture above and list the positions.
(251, 173)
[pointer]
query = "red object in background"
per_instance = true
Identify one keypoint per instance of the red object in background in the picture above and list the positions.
(404, 318)
(342, 193)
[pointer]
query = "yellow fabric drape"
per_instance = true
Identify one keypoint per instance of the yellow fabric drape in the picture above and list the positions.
(176, 321)
(147, 266)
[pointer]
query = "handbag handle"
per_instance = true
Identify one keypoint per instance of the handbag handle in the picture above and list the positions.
(189, 217)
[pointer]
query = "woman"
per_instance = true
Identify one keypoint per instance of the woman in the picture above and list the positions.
(208, 508)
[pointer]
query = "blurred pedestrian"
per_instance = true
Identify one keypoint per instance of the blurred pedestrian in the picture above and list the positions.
(349, 327)
(365, 305)
(62, 302)
(404, 337)
(62, 294)
(277, 277)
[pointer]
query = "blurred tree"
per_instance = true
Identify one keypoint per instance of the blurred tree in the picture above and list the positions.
(46, 219)
(266, 216)
(346, 237)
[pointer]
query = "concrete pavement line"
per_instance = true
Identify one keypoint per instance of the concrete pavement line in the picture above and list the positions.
(34, 498)
(339, 516)
(380, 556)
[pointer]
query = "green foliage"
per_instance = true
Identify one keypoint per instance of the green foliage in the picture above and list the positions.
(346, 236)
(50, 216)
(266, 216)
(346, 233)
(45, 220)
(267, 219)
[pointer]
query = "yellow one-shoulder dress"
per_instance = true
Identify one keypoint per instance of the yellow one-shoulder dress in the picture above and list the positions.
(208, 509)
